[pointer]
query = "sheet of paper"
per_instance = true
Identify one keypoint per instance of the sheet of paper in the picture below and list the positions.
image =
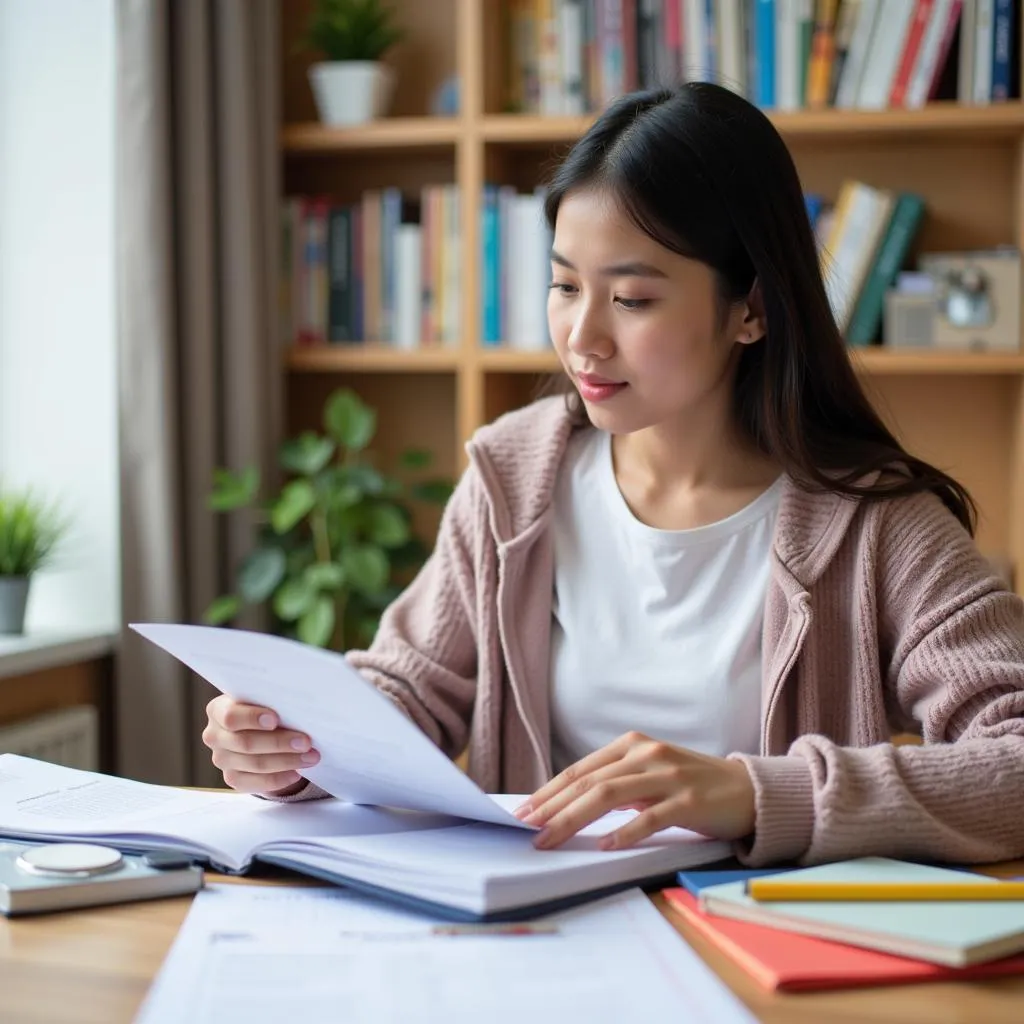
(261, 955)
(371, 753)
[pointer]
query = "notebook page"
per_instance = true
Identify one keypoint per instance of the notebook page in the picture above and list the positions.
(264, 955)
(371, 753)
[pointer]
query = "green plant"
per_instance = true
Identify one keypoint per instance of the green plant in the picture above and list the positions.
(333, 546)
(30, 530)
(351, 29)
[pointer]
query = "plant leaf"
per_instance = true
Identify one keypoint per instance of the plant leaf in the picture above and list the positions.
(296, 501)
(415, 458)
(349, 420)
(222, 609)
(233, 490)
(306, 454)
(387, 526)
(317, 623)
(294, 599)
(261, 573)
(436, 492)
(324, 576)
(366, 567)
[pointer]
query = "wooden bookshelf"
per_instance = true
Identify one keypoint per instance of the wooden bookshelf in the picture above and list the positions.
(963, 411)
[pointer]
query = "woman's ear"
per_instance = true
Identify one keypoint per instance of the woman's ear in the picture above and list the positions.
(755, 324)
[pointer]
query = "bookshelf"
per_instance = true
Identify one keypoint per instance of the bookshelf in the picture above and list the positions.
(963, 411)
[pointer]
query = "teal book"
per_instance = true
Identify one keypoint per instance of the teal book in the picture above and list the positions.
(903, 225)
(956, 934)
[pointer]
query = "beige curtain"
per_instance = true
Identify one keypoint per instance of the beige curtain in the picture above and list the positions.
(197, 200)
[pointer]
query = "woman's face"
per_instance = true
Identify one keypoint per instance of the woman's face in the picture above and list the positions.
(638, 328)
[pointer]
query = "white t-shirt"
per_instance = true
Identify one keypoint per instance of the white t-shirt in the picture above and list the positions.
(653, 630)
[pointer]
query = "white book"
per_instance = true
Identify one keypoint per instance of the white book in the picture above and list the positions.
(787, 54)
(984, 27)
(528, 291)
(408, 823)
(408, 285)
(965, 69)
(857, 54)
(452, 266)
(924, 68)
(695, 36)
(571, 42)
(732, 69)
(890, 36)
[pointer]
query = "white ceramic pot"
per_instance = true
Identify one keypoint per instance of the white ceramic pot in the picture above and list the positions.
(351, 92)
(13, 599)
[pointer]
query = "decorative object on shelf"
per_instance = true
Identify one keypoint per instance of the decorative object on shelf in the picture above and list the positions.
(352, 85)
(337, 539)
(30, 530)
(445, 100)
(967, 301)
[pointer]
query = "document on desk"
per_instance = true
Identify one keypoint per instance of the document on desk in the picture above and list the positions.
(371, 752)
(267, 954)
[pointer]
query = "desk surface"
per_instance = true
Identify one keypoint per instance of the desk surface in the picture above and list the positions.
(94, 967)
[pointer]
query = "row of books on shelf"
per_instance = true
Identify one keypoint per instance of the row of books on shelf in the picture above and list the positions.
(387, 269)
(384, 269)
(575, 56)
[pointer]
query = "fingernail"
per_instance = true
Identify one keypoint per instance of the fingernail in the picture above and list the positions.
(311, 758)
(523, 810)
(300, 744)
(267, 721)
(543, 840)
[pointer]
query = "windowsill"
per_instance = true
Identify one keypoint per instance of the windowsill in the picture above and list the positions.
(20, 655)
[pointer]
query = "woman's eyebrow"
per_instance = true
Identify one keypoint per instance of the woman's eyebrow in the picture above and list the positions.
(631, 268)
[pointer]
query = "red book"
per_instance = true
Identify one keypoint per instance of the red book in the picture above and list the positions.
(910, 50)
(785, 961)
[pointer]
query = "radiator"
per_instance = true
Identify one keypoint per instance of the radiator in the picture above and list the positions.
(69, 737)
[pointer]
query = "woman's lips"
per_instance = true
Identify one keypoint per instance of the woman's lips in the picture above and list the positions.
(595, 388)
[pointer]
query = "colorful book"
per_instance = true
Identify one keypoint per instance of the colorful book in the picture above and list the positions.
(892, 252)
(788, 962)
(954, 934)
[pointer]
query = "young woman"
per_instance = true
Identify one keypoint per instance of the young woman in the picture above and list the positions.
(710, 584)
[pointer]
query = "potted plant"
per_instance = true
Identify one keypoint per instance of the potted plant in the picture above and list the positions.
(30, 530)
(351, 85)
(334, 546)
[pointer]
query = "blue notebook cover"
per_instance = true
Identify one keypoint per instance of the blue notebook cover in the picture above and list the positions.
(694, 881)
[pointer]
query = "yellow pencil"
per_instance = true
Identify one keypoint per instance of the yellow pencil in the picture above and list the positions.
(772, 890)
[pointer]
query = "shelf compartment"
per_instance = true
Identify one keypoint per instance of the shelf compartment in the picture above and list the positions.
(385, 135)
(371, 358)
(1000, 121)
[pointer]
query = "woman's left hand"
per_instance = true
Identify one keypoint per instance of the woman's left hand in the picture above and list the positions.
(668, 785)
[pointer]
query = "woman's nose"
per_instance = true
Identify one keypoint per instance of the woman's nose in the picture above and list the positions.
(589, 337)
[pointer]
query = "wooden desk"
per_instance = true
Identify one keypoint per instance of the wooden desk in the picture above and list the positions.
(94, 967)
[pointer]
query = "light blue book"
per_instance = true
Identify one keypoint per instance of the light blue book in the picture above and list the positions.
(953, 933)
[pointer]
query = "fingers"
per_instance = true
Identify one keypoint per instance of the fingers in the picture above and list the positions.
(575, 773)
(230, 714)
(602, 797)
(248, 782)
(645, 824)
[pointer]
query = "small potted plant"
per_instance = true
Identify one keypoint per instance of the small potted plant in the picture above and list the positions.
(334, 546)
(351, 85)
(30, 530)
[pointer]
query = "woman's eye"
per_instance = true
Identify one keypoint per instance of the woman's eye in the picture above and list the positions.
(632, 304)
(561, 286)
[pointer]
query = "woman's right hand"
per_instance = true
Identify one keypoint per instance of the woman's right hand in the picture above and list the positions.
(255, 754)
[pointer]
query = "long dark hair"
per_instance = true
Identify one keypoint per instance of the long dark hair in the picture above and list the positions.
(705, 174)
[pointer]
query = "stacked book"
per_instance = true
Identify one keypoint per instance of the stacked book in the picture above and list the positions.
(864, 239)
(385, 269)
(575, 56)
(869, 921)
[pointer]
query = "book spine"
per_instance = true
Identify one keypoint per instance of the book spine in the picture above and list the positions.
(887, 46)
(764, 37)
(490, 328)
(1002, 48)
(805, 36)
(571, 42)
(932, 54)
(823, 48)
(867, 314)
(731, 64)
(630, 68)
(339, 271)
(846, 23)
(982, 89)
(911, 48)
(408, 254)
(857, 55)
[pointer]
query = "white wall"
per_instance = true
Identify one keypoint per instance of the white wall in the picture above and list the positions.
(58, 371)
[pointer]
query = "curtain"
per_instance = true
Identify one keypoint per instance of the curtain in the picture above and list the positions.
(199, 352)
